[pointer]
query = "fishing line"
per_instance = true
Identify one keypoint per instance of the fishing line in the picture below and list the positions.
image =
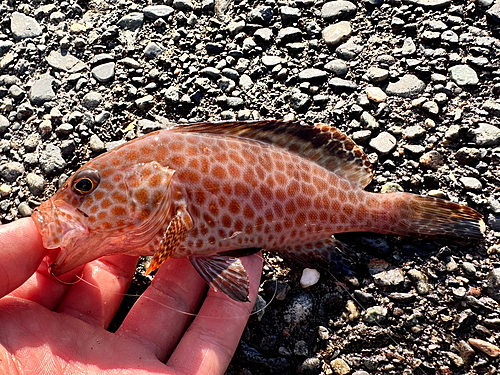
(79, 278)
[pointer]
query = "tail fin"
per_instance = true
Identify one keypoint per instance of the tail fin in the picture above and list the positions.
(433, 218)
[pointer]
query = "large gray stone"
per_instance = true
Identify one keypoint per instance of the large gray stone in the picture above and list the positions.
(41, 91)
(408, 86)
(338, 10)
(104, 72)
(65, 61)
(337, 33)
(23, 27)
(158, 11)
(464, 75)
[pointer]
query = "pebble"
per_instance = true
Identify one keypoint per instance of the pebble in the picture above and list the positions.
(420, 281)
(468, 155)
(264, 34)
(299, 309)
(369, 121)
(337, 33)
(492, 107)
(131, 21)
(431, 107)
(431, 160)
(340, 367)
(145, 103)
(289, 14)
(309, 277)
(5, 190)
(375, 315)
(65, 62)
(408, 86)
(409, 47)
(245, 82)
(342, 85)
(413, 132)
(376, 94)
(236, 27)
(338, 10)
(471, 183)
(36, 184)
(300, 349)
(16, 92)
(486, 135)
(323, 333)
(64, 129)
(289, 34)
(300, 102)
(23, 26)
(463, 75)
(92, 100)
(11, 171)
(392, 277)
(310, 366)
(493, 287)
(352, 313)
(494, 12)
(261, 14)
(486, 347)
(374, 74)
(158, 11)
(41, 91)
(391, 187)
(349, 50)
(337, 67)
(5, 46)
(383, 143)
(184, 5)
(95, 144)
(105, 72)
(431, 4)
(51, 160)
(24, 209)
(313, 75)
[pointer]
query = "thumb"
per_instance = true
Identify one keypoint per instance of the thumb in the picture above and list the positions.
(21, 252)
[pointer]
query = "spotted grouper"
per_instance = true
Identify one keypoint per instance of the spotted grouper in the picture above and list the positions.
(212, 192)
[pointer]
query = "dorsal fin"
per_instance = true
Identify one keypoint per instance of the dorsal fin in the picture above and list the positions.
(322, 144)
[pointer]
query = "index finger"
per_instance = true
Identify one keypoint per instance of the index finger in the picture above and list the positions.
(21, 252)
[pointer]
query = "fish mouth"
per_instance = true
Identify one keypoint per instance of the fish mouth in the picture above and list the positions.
(63, 228)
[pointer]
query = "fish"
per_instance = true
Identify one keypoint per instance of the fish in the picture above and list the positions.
(213, 192)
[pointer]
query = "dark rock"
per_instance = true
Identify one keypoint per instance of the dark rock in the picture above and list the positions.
(493, 287)
(11, 171)
(51, 160)
(131, 21)
(261, 15)
(338, 10)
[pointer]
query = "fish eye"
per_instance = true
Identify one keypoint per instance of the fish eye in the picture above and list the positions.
(86, 181)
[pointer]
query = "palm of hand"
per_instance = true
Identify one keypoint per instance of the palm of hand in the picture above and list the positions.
(50, 327)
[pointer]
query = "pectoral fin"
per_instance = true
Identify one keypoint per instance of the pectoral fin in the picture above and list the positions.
(224, 274)
(174, 235)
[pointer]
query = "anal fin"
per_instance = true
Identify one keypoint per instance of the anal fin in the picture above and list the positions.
(224, 274)
(329, 253)
(174, 235)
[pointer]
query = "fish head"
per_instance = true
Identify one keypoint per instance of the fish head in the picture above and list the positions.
(104, 210)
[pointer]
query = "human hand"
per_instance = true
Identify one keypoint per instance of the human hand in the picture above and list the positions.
(48, 327)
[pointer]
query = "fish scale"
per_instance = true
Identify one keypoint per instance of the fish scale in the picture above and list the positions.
(211, 192)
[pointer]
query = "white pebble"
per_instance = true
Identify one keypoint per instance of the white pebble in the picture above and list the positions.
(309, 277)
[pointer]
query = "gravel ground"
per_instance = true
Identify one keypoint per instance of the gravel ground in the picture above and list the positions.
(416, 83)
